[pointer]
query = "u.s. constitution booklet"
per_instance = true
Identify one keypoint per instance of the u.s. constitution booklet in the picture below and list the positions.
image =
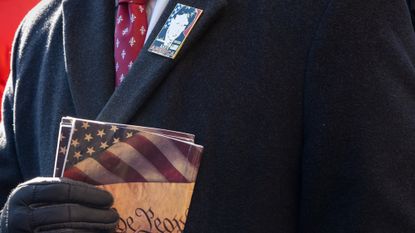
(150, 172)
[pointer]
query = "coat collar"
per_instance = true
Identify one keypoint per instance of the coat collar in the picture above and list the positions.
(89, 45)
(88, 37)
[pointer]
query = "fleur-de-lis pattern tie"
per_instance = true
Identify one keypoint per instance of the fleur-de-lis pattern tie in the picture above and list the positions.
(130, 33)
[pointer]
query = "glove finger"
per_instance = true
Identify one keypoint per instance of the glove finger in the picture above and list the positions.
(62, 216)
(66, 231)
(39, 191)
(77, 227)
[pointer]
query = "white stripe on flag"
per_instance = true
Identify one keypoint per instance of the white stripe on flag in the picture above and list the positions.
(174, 155)
(133, 158)
(97, 172)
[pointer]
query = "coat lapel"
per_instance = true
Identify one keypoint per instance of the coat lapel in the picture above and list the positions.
(150, 69)
(88, 47)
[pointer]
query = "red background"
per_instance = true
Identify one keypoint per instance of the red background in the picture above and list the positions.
(11, 13)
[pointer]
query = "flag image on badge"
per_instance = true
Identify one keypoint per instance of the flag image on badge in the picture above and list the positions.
(175, 31)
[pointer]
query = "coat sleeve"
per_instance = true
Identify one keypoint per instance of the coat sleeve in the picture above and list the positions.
(359, 138)
(10, 174)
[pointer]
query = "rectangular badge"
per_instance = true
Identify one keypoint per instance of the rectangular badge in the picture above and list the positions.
(175, 31)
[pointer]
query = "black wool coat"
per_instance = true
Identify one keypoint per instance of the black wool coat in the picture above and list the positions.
(306, 108)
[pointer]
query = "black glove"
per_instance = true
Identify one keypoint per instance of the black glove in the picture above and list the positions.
(58, 205)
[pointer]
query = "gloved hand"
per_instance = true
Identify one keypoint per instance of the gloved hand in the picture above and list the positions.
(58, 205)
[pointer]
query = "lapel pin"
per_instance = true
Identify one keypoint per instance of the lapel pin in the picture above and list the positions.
(175, 30)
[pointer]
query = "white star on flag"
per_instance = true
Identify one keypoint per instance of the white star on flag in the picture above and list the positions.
(132, 18)
(119, 19)
(122, 77)
(117, 67)
(117, 43)
(141, 8)
(132, 41)
(130, 65)
(123, 53)
(125, 31)
(143, 30)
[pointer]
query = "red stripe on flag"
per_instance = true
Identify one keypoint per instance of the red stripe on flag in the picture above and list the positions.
(156, 157)
(190, 151)
(75, 174)
(119, 168)
(195, 156)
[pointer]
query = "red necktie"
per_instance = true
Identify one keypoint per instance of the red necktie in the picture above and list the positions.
(130, 33)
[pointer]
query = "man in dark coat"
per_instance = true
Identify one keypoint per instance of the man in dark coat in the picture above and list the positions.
(306, 110)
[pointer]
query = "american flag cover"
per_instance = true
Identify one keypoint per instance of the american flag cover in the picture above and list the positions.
(104, 153)
(66, 128)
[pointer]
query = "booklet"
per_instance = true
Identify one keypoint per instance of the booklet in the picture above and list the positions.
(150, 172)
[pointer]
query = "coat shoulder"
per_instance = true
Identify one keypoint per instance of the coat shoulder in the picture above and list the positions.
(38, 28)
(38, 23)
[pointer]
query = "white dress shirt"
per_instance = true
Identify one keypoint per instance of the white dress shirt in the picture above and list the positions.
(154, 10)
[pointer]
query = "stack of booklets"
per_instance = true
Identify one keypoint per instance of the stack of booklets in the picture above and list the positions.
(150, 172)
